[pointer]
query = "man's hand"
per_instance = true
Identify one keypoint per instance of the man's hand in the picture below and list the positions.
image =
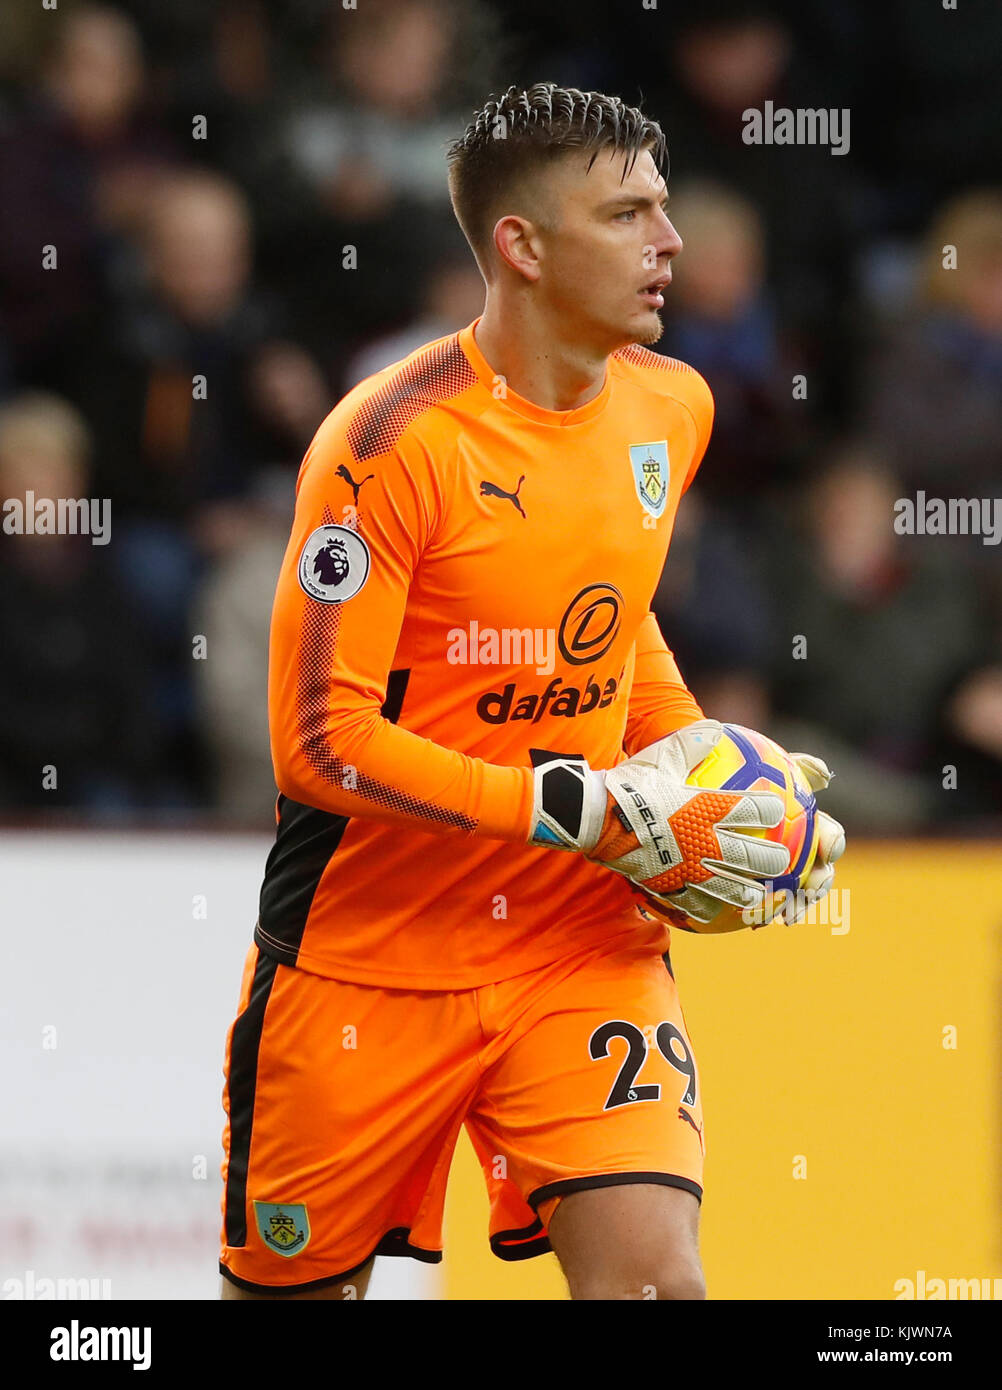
(687, 845)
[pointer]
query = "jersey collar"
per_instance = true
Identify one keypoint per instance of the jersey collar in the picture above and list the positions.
(561, 418)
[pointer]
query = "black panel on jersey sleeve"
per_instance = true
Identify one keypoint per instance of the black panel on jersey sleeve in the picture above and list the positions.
(304, 845)
(396, 689)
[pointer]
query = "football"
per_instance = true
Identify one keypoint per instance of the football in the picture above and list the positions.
(744, 760)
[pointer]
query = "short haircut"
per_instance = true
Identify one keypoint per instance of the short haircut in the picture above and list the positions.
(528, 128)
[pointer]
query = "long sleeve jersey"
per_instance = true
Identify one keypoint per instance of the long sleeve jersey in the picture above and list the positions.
(467, 588)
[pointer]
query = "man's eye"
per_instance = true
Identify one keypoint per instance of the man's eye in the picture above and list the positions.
(630, 213)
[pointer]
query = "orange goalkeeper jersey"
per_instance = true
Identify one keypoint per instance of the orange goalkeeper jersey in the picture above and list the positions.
(467, 585)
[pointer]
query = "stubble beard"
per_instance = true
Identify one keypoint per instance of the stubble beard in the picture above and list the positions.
(647, 337)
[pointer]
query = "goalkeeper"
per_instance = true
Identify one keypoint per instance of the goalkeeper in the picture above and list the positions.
(466, 679)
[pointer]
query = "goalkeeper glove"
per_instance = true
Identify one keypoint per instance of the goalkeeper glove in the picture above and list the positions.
(640, 819)
(831, 845)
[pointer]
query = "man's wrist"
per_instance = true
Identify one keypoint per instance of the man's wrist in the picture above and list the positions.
(569, 805)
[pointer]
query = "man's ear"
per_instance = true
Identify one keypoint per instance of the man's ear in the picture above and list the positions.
(515, 240)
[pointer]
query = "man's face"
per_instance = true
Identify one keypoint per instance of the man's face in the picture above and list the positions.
(605, 252)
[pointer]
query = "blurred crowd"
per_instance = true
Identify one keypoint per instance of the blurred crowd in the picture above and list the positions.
(217, 218)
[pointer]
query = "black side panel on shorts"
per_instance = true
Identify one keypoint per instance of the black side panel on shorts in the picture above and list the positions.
(306, 841)
(241, 1089)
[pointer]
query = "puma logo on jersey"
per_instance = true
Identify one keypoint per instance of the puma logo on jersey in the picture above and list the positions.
(342, 472)
(492, 490)
(684, 1115)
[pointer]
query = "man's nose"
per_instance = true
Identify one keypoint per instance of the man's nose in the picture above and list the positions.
(672, 241)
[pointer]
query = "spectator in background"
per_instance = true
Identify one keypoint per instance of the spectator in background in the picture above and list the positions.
(379, 136)
(719, 60)
(943, 363)
(233, 611)
(887, 625)
(932, 397)
(368, 149)
(194, 397)
(452, 295)
(970, 740)
(195, 391)
(75, 171)
(229, 63)
(926, 100)
(74, 695)
(721, 319)
(715, 614)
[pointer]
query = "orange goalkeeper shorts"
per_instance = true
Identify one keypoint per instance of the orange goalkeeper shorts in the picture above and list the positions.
(344, 1103)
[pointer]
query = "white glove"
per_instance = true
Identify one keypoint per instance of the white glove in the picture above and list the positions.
(831, 845)
(683, 844)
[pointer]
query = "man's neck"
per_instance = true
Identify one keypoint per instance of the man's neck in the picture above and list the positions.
(535, 362)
